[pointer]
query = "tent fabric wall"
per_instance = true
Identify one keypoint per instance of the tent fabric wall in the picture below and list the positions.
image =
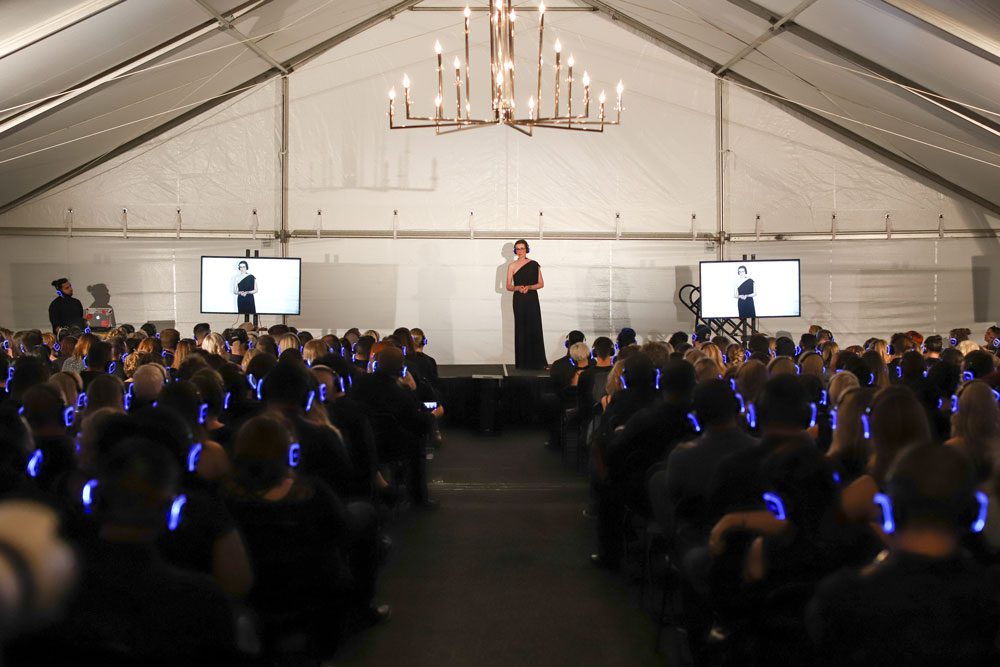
(216, 168)
(656, 171)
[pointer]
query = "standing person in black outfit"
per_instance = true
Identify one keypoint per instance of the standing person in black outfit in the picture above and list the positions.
(744, 293)
(64, 311)
(244, 287)
(524, 279)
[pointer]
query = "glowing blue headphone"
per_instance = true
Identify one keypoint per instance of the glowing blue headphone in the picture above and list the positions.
(194, 456)
(203, 413)
(968, 376)
(310, 399)
(128, 397)
(294, 454)
(225, 401)
(889, 521)
(775, 505)
(81, 400)
(35, 463)
(812, 418)
(322, 393)
(866, 427)
(174, 514)
(823, 397)
(694, 422)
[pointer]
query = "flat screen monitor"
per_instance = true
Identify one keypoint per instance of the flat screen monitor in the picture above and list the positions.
(750, 288)
(261, 285)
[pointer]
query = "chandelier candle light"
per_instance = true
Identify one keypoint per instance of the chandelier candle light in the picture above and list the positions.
(502, 19)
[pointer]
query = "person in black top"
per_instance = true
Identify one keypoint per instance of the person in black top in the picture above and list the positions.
(923, 601)
(132, 606)
(53, 457)
(419, 361)
(524, 279)
(65, 311)
(315, 560)
(400, 427)
(324, 455)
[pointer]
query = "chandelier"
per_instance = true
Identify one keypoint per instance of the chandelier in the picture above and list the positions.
(502, 71)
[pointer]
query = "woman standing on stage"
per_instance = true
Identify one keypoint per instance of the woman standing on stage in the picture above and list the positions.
(524, 279)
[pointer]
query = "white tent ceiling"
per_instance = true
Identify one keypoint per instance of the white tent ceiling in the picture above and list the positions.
(914, 80)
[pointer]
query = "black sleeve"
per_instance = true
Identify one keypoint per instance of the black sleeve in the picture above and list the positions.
(77, 312)
(54, 316)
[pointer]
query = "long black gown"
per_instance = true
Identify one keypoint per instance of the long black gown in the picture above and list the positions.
(529, 347)
(747, 309)
(246, 304)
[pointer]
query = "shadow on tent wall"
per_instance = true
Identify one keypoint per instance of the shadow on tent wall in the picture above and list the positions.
(985, 293)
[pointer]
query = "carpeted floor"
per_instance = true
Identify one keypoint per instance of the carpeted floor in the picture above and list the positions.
(499, 575)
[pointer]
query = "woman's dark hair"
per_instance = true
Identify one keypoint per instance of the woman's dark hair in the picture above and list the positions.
(260, 457)
(741, 267)
(243, 262)
(527, 248)
(897, 421)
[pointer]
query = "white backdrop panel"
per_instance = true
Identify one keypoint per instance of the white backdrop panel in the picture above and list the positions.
(875, 288)
(216, 168)
(656, 169)
(453, 289)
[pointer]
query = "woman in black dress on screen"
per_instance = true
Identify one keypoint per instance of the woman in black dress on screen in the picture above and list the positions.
(745, 294)
(524, 279)
(244, 287)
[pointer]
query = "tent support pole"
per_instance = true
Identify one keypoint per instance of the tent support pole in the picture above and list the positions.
(721, 154)
(283, 235)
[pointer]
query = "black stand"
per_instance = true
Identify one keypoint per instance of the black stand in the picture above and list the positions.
(246, 316)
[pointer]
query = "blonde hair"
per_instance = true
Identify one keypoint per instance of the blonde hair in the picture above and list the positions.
(288, 341)
(712, 351)
(314, 349)
(214, 343)
(841, 384)
(967, 346)
(693, 355)
(812, 364)
(578, 352)
(614, 383)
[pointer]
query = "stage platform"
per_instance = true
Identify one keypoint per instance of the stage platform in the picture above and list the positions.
(488, 370)
(489, 397)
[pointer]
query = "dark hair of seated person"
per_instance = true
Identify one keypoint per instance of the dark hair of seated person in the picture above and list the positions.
(201, 329)
(979, 363)
(678, 338)
(276, 330)
(105, 391)
(28, 371)
(603, 347)
(291, 355)
(261, 365)
(934, 344)
(784, 347)
(715, 403)
(912, 366)
(295, 530)
(131, 604)
(784, 404)
(897, 421)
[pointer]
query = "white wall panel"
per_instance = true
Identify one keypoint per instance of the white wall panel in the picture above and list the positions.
(453, 290)
(147, 279)
(877, 287)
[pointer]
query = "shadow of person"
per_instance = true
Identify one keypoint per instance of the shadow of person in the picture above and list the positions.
(506, 304)
(101, 296)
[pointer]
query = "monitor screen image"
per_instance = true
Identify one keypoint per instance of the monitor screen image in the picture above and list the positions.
(251, 285)
(750, 288)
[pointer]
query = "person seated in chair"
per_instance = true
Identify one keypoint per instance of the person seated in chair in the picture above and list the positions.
(401, 428)
(923, 601)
